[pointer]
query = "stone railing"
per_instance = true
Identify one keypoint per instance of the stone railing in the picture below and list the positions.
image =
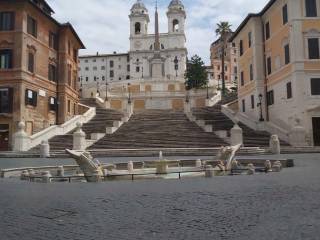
(214, 100)
(22, 142)
(258, 126)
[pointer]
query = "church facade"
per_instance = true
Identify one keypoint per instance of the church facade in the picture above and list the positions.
(151, 73)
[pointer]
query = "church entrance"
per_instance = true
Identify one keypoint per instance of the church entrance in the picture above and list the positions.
(316, 130)
(4, 137)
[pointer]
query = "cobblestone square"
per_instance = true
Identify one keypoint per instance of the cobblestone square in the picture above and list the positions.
(273, 206)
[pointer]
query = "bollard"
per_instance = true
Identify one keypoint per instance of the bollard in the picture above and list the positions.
(236, 135)
(60, 171)
(198, 163)
(209, 172)
(130, 166)
(275, 145)
(44, 149)
(46, 177)
(251, 169)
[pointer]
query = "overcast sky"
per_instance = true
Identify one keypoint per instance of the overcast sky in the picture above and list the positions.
(103, 25)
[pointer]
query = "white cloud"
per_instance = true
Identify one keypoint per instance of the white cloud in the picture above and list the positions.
(103, 25)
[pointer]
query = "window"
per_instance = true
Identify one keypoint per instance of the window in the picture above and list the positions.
(69, 48)
(103, 78)
(235, 70)
(31, 62)
(267, 29)
(269, 67)
(241, 47)
(128, 58)
(243, 105)
(87, 68)
(111, 64)
(52, 104)
(270, 98)
(242, 78)
(86, 61)
(175, 25)
(137, 28)
(249, 39)
(69, 75)
(289, 90)
(95, 78)
(127, 77)
(311, 8)
(69, 106)
(6, 100)
(286, 54)
(225, 68)
(137, 69)
(111, 73)
(251, 72)
(94, 60)
(87, 79)
(52, 75)
(313, 46)
(31, 97)
(32, 26)
(74, 109)
(95, 68)
(103, 67)
(128, 68)
(6, 21)
(75, 55)
(6, 59)
(285, 14)
(315, 86)
(252, 101)
(53, 40)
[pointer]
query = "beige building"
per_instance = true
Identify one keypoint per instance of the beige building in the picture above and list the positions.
(230, 62)
(38, 68)
(279, 63)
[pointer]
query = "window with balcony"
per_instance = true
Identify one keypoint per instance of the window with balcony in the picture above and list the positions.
(52, 75)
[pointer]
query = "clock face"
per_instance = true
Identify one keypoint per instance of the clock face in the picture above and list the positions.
(137, 44)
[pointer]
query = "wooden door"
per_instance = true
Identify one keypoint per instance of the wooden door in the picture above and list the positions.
(4, 137)
(316, 130)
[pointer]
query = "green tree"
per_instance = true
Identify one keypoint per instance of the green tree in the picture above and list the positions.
(223, 30)
(196, 75)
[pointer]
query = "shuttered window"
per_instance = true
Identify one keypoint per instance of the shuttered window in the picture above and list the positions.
(289, 90)
(311, 8)
(5, 59)
(6, 100)
(315, 86)
(7, 20)
(31, 97)
(32, 26)
(313, 48)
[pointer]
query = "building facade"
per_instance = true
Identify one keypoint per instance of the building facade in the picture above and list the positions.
(38, 68)
(230, 62)
(279, 66)
(154, 63)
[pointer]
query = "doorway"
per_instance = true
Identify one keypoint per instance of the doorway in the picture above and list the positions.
(4, 137)
(316, 130)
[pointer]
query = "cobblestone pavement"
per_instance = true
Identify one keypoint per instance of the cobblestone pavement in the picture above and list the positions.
(276, 206)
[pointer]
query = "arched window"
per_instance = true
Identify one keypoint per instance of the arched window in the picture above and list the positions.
(175, 25)
(162, 46)
(151, 46)
(137, 28)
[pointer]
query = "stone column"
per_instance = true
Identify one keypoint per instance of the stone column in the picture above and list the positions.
(297, 136)
(21, 140)
(79, 139)
(44, 149)
(236, 135)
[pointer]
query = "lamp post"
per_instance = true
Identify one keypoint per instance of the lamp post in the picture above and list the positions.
(98, 86)
(207, 90)
(107, 91)
(129, 99)
(187, 97)
(260, 105)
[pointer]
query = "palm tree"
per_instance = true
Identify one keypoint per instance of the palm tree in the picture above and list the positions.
(222, 30)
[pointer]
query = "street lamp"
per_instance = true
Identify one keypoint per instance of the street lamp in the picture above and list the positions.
(207, 90)
(129, 99)
(260, 105)
(107, 90)
(187, 97)
(98, 86)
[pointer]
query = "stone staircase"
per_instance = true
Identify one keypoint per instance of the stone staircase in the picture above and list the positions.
(104, 118)
(220, 122)
(159, 129)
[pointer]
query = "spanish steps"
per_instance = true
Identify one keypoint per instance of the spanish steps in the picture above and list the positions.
(219, 121)
(104, 118)
(159, 129)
